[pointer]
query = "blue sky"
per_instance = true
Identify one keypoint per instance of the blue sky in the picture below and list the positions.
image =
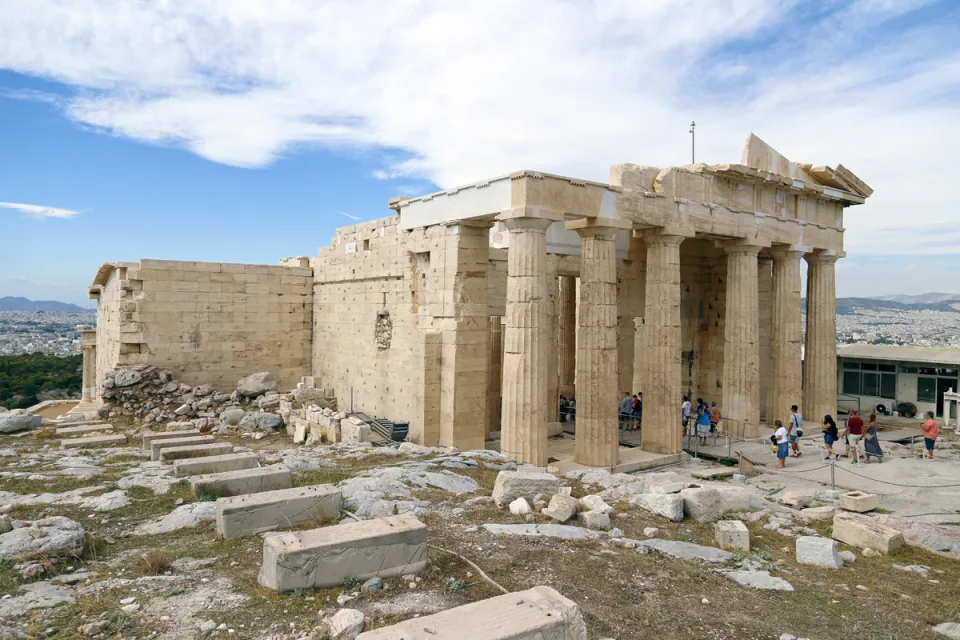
(248, 131)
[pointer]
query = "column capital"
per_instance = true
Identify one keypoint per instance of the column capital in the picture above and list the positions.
(668, 236)
(530, 213)
(600, 224)
(741, 249)
(827, 256)
(787, 251)
(478, 224)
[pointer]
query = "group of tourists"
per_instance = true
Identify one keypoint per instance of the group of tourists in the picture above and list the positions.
(855, 435)
(631, 411)
(705, 418)
(568, 408)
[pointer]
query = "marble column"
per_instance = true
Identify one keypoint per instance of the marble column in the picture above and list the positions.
(660, 352)
(549, 342)
(820, 353)
(87, 375)
(567, 335)
(785, 352)
(494, 372)
(764, 306)
(523, 433)
(597, 442)
(741, 342)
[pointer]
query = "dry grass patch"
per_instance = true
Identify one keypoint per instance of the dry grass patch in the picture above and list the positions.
(154, 562)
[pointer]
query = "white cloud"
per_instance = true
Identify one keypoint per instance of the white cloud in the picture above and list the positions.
(459, 91)
(348, 215)
(38, 212)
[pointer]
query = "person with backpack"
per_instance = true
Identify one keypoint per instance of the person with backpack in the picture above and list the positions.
(796, 431)
(830, 435)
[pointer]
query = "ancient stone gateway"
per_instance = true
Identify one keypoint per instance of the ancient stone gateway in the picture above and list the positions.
(471, 310)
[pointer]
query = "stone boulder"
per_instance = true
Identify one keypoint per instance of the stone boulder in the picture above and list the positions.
(819, 552)
(126, 378)
(511, 485)
(595, 519)
(260, 420)
(703, 504)
(13, 422)
(864, 532)
(732, 535)
(668, 505)
(54, 536)
(561, 508)
(345, 624)
(232, 417)
(595, 503)
(932, 537)
(520, 507)
(256, 384)
(798, 499)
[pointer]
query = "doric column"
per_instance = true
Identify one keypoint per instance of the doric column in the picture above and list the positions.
(523, 433)
(820, 353)
(741, 342)
(764, 306)
(567, 334)
(597, 441)
(551, 357)
(494, 371)
(88, 371)
(785, 352)
(660, 352)
(86, 378)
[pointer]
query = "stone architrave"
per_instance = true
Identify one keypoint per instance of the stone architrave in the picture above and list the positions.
(567, 335)
(741, 345)
(820, 354)
(661, 357)
(597, 441)
(785, 347)
(523, 433)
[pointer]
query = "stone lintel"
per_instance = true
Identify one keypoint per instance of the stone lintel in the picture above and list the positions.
(533, 213)
(600, 224)
(654, 232)
(741, 245)
(785, 249)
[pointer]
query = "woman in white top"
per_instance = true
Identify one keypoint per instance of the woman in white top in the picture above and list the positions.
(782, 436)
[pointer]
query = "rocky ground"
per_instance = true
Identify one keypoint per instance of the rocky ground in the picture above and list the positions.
(105, 543)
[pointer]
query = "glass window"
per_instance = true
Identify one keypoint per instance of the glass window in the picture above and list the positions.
(887, 367)
(926, 389)
(868, 366)
(927, 371)
(950, 373)
(908, 369)
(871, 384)
(851, 382)
(847, 364)
(888, 385)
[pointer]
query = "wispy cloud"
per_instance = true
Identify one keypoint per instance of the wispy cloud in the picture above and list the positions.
(568, 87)
(38, 212)
(347, 215)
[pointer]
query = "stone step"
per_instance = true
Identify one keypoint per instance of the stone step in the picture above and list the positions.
(322, 558)
(216, 464)
(93, 441)
(540, 612)
(236, 483)
(79, 423)
(152, 436)
(168, 443)
(90, 428)
(255, 513)
(195, 451)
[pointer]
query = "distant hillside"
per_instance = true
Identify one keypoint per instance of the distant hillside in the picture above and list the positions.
(922, 298)
(10, 303)
(846, 306)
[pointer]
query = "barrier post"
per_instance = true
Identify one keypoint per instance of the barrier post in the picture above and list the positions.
(833, 473)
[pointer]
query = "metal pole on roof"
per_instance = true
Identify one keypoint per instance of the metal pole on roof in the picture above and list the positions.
(693, 143)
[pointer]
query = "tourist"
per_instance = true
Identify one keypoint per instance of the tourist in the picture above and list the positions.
(626, 408)
(714, 416)
(871, 440)
(563, 408)
(796, 430)
(638, 407)
(635, 413)
(703, 421)
(782, 437)
(830, 435)
(685, 413)
(930, 431)
(853, 433)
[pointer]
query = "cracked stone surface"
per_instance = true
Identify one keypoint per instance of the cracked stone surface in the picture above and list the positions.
(39, 595)
(187, 516)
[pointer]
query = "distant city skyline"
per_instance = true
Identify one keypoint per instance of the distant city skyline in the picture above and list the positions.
(306, 118)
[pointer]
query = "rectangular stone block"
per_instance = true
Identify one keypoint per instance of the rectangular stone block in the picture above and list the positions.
(93, 441)
(151, 436)
(731, 535)
(351, 431)
(216, 464)
(322, 558)
(168, 443)
(270, 510)
(858, 501)
(540, 612)
(90, 428)
(235, 483)
(864, 532)
(195, 451)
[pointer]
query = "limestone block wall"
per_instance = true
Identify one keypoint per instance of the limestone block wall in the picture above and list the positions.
(208, 322)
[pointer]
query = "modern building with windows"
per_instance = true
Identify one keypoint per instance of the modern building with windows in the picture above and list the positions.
(872, 374)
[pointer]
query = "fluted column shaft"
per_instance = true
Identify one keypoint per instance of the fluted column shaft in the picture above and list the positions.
(567, 335)
(741, 343)
(820, 353)
(597, 440)
(785, 334)
(764, 306)
(660, 333)
(524, 422)
(87, 375)
(494, 372)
